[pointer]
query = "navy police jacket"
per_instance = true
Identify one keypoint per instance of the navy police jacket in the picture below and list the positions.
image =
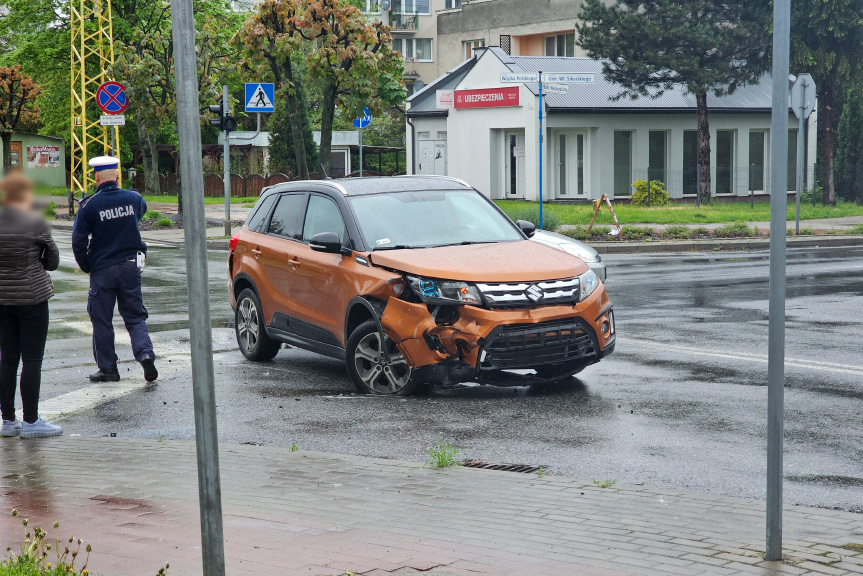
(106, 228)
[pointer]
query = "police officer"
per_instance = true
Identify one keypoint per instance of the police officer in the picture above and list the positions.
(108, 246)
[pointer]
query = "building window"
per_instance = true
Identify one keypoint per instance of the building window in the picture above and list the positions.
(373, 6)
(506, 43)
(690, 162)
(450, 4)
(657, 155)
(470, 46)
(562, 45)
(622, 163)
(756, 159)
(725, 161)
(413, 7)
(419, 49)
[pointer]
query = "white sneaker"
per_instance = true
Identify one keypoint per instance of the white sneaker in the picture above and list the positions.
(10, 428)
(39, 429)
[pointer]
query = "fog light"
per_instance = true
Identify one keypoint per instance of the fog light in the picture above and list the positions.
(604, 328)
(397, 288)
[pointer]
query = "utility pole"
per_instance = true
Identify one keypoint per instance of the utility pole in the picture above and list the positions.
(226, 161)
(200, 329)
(776, 319)
(540, 150)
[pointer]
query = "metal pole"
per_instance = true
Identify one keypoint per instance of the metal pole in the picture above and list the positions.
(776, 320)
(540, 150)
(113, 143)
(800, 158)
(226, 162)
(361, 153)
(200, 329)
(752, 186)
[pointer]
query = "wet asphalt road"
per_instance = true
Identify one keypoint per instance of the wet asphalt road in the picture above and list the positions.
(681, 404)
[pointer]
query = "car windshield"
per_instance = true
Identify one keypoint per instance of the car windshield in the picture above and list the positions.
(430, 218)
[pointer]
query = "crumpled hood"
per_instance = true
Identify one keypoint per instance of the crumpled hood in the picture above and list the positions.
(522, 261)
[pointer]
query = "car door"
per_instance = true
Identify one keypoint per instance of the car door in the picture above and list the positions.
(276, 252)
(321, 284)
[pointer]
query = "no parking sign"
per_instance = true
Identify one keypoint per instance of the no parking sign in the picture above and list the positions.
(111, 98)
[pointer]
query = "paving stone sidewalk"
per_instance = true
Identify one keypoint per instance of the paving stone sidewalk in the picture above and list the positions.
(321, 514)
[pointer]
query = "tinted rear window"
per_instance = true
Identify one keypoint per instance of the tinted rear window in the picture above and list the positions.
(257, 220)
(288, 217)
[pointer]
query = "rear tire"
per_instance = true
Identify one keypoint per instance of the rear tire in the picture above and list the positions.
(368, 367)
(251, 330)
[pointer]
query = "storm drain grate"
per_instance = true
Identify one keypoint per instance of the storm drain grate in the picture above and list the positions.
(522, 468)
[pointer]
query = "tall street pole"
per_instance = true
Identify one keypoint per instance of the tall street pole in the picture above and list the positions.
(801, 145)
(226, 161)
(776, 320)
(203, 377)
(540, 151)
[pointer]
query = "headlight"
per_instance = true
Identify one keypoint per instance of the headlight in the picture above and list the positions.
(587, 283)
(578, 251)
(444, 291)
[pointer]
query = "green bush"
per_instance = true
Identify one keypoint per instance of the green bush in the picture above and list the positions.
(153, 215)
(658, 195)
(550, 220)
(600, 232)
(856, 229)
(735, 230)
(635, 233)
(677, 232)
(51, 209)
(700, 231)
(579, 233)
(164, 223)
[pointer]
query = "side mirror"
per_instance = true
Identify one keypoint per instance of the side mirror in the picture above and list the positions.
(328, 242)
(528, 228)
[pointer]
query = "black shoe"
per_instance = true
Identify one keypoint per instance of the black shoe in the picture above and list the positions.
(112, 375)
(150, 372)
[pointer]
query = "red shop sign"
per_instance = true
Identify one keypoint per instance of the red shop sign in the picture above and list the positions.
(487, 97)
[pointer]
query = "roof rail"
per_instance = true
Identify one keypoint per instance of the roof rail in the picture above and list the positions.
(434, 176)
(335, 185)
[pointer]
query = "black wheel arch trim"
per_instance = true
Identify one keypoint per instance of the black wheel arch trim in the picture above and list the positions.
(244, 277)
(376, 309)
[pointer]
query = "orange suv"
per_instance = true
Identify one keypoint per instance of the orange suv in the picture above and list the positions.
(412, 281)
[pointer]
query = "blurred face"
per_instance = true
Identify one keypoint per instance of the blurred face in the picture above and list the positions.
(17, 192)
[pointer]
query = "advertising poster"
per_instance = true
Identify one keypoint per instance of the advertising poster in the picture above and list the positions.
(43, 156)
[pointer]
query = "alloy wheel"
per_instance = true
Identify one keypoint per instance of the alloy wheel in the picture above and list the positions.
(248, 325)
(377, 373)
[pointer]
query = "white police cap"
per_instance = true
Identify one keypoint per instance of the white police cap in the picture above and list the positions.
(100, 163)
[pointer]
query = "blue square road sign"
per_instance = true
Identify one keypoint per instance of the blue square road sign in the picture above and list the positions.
(260, 97)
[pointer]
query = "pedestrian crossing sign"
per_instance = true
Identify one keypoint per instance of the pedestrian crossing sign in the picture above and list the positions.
(260, 97)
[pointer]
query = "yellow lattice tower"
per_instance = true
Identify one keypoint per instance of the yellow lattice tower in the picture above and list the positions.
(92, 54)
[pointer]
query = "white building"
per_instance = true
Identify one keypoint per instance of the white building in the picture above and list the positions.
(594, 144)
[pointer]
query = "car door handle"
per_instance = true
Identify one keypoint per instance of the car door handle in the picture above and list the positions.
(294, 263)
(256, 253)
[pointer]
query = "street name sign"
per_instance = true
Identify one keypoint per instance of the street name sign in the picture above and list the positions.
(112, 120)
(555, 88)
(260, 97)
(559, 78)
(803, 96)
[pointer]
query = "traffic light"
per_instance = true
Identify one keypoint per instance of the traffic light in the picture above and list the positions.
(223, 122)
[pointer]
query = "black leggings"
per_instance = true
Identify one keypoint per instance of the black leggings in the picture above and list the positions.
(23, 331)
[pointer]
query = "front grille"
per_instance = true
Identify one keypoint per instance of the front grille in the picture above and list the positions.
(532, 345)
(530, 293)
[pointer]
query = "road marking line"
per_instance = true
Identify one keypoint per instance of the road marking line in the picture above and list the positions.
(760, 358)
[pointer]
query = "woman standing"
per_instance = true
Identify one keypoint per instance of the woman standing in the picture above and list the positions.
(27, 251)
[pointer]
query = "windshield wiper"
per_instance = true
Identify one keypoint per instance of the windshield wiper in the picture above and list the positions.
(396, 247)
(465, 243)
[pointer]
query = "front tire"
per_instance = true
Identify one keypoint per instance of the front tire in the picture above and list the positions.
(366, 361)
(250, 329)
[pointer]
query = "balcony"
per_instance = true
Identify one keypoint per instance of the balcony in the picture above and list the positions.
(404, 23)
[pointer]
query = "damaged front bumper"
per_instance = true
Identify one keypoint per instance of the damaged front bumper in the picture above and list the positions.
(483, 345)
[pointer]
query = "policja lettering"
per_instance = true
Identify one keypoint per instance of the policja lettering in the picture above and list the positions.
(117, 212)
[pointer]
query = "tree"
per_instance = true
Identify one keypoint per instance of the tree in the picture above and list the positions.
(270, 39)
(281, 154)
(827, 42)
(704, 46)
(18, 95)
(146, 64)
(354, 61)
(849, 146)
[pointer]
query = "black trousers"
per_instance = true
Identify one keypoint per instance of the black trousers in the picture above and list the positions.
(23, 331)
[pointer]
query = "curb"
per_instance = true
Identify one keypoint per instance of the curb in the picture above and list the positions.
(730, 244)
(633, 247)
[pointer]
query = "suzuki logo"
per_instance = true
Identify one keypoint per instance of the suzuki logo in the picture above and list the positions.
(534, 293)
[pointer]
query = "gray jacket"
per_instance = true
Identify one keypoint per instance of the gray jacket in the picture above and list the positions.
(27, 251)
